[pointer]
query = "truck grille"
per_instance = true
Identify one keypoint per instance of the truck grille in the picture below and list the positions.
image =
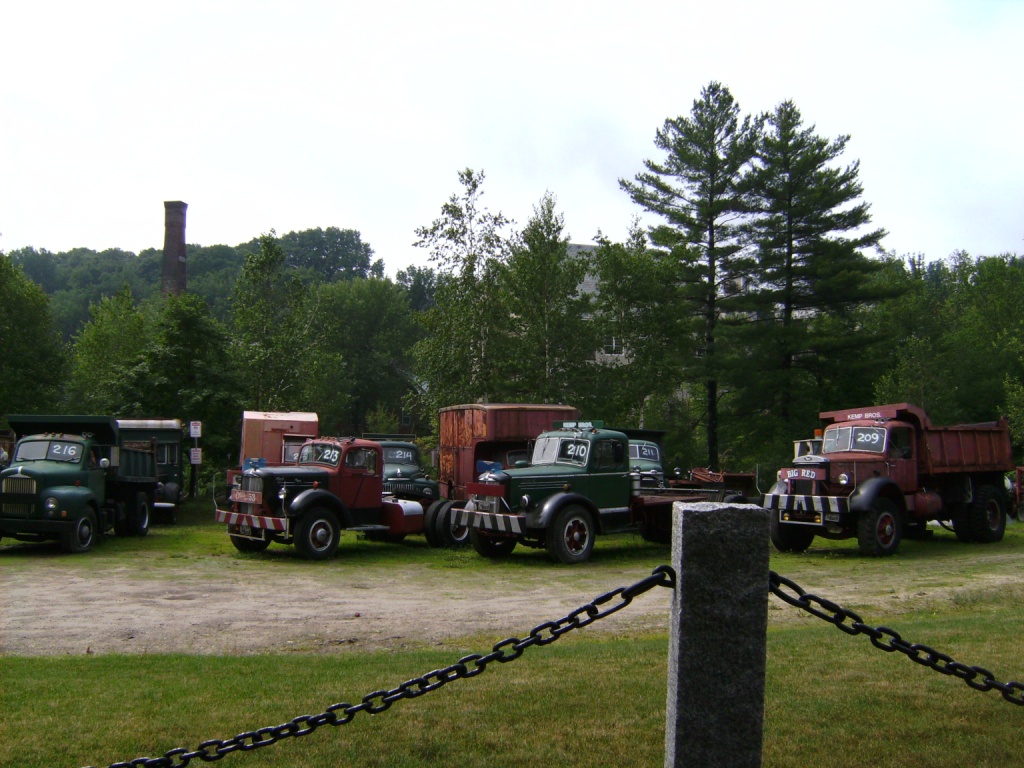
(19, 485)
(801, 487)
(396, 487)
(251, 483)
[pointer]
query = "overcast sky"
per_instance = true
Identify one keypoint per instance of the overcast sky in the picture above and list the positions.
(305, 114)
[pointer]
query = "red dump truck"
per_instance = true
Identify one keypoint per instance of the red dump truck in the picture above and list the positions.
(884, 472)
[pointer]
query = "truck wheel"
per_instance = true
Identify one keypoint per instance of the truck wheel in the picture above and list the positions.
(880, 529)
(570, 537)
(986, 518)
(138, 517)
(243, 544)
(430, 522)
(788, 537)
(317, 534)
(448, 532)
(81, 536)
(493, 547)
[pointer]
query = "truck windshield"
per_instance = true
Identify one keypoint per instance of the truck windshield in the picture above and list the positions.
(560, 450)
(401, 455)
(839, 439)
(644, 452)
(49, 450)
(320, 453)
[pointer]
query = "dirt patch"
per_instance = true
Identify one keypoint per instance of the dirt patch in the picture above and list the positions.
(227, 605)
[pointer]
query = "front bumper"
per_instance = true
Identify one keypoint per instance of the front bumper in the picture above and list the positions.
(807, 510)
(495, 522)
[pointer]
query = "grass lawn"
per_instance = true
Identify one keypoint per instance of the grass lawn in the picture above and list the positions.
(832, 700)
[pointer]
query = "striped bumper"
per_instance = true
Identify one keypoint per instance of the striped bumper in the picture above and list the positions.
(488, 521)
(826, 505)
(253, 521)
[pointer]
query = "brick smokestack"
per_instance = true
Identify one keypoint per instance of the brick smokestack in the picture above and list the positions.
(173, 279)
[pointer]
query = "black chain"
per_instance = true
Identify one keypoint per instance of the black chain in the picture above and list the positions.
(888, 640)
(374, 703)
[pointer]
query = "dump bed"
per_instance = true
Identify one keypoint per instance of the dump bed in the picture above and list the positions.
(968, 448)
(265, 435)
(493, 433)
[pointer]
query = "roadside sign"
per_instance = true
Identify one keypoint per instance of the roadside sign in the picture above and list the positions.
(195, 429)
(196, 455)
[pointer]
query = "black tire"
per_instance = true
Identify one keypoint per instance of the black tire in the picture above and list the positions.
(449, 534)
(880, 529)
(570, 537)
(317, 535)
(788, 537)
(80, 536)
(492, 547)
(651, 531)
(986, 518)
(430, 522)
(243, 544)
(138, 517)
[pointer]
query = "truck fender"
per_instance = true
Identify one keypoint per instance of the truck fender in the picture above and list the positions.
(873, 488)
(553, 504)
(318, 497)
(72, 500)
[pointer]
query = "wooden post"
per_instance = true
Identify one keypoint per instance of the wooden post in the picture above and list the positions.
(719, 626)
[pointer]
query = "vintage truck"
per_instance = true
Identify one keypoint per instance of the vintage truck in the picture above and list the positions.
(476, 437)
(404, 476)
(335, 484)
(884, 472)
(73, 478)
(578, 484)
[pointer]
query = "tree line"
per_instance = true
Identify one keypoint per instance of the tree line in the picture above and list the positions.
(759, 296)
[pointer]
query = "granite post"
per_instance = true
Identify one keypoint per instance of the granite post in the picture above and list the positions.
(719, 625)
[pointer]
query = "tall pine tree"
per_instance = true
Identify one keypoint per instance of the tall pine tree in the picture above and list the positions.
(696, 189)
(808, 341)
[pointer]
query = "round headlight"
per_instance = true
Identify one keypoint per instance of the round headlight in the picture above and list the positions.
(428, 492)
(844, 479)
(282, 493)
(51, 503)
(525, 501)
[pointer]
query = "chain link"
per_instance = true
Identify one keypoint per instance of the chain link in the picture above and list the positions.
(889, 640)
(376, 702)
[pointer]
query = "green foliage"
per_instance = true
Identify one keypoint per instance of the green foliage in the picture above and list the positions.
(548, 339)
(362, 334)
(697, 190)
(455, 358)
(270, 318)
(32, 361)
(108, 351)
(803, 341)
(959, 329)
(644, 336)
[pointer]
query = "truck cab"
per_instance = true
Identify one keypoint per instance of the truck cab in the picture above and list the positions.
(335, 484)
(74, 479)
(578, 484)
(403, 473)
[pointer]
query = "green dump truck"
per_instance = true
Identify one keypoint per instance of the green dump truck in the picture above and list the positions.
(73, 478)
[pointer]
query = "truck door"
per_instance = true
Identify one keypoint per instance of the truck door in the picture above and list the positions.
(902, 460)
(607, 484)
(361, 484)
